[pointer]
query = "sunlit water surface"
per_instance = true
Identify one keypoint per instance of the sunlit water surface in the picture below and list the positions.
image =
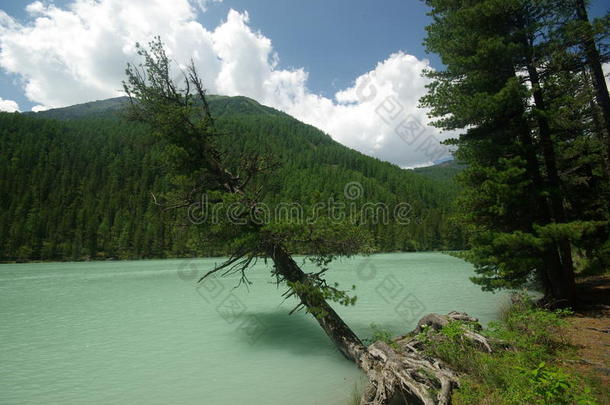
(143, 332)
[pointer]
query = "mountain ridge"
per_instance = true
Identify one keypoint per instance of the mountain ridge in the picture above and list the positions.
(108, 107)
(219, 105)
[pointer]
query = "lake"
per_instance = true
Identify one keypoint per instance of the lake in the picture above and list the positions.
(144, 332)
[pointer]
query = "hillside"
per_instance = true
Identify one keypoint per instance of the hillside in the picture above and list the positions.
(445, 171)
(77, 181)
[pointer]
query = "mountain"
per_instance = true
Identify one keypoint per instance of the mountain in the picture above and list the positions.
(77, 183)
(94, 109)
(444, 171)
(111, 108)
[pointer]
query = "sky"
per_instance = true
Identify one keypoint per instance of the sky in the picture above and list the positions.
(352, 68)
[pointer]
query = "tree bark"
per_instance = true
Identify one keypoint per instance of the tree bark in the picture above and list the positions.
(342, 336)
(565, 289)
(594, 62)
(552, 260)
(551, 257)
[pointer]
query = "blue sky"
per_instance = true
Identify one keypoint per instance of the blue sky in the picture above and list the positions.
(312, 59)
(335, 41)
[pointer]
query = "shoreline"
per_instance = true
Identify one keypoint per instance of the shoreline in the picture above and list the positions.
(89, 260)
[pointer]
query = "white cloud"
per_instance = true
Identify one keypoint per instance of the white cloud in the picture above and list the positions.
(8, 105)
(39, 107)
(78, 54)
(203, 4)
(66, 56)
(379, 115)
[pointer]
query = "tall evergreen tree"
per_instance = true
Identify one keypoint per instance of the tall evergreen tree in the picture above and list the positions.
(500, 86)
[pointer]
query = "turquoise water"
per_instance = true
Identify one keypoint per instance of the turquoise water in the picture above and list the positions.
(143, 332)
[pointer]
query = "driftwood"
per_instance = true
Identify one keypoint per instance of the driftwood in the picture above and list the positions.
(403, 373)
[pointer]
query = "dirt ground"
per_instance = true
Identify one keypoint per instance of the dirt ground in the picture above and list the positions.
(590, 328)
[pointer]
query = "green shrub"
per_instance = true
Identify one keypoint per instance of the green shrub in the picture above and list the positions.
(383, 335)
(532, 328)
(553, 386)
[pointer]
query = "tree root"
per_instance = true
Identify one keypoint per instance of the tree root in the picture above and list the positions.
(402, 371)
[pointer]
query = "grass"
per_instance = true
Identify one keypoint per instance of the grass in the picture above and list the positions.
(529, 367)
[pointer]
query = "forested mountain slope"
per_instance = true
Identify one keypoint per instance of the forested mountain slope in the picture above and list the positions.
(445, 171)
(77, 183)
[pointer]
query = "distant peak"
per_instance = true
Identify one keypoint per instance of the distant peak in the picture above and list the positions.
(219, 104)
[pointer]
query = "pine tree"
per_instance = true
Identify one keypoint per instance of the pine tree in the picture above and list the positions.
(504, 64)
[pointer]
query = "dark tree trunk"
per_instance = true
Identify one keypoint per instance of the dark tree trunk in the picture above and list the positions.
(552, 259)
(541, 208)
(337, 330)
(594, 62)
(565, 288)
